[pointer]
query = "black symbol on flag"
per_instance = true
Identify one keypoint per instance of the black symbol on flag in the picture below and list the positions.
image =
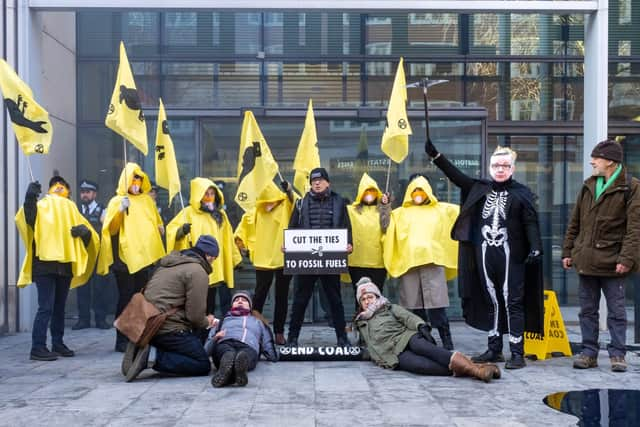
(160, 151)
(17, 115)
(243, 196)
(402, 124)
(165, 127)
(249, 159)
(131, 99)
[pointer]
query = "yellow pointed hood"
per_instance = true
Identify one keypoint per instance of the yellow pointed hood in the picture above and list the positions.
(419, 182)
(366, 182)
(270, 194)
(129, 171)
(199, 186)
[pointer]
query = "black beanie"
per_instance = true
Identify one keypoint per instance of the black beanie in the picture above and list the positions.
(58, 179)
(318, 173)
(609, 150)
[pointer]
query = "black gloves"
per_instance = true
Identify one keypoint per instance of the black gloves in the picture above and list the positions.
(284, 185)
(33, 190)
(425, 331)
(430, 149)
(534, 257)
(83, 232)
(183, 231)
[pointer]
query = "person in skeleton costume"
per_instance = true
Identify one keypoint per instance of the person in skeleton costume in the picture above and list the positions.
(500, 248)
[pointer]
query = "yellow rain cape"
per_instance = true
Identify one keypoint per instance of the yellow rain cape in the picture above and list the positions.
(266, 252)
(365, 228)
(52, 235)
(140, 243)
(203, 223)
(420, 235)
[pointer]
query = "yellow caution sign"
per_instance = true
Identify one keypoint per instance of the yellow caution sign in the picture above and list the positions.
(555, 339)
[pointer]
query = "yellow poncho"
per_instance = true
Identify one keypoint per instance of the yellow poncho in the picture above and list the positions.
(203, 223)
(266, 252)
(52, 234)
(420, 235)
(139, 239)
(365, 229)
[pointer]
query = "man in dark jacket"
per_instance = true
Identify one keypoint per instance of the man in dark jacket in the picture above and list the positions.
(181, 281)
(602, 243)
(319, 208)
(95, 294)
(499, 268)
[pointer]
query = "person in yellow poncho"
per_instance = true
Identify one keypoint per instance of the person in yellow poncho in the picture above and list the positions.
(418, 249)
(131, 238)
(205, 215)
(369, 216)
(269, 219)
(61, 249)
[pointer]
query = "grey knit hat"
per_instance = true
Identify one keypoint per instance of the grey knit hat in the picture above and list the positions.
(364, 286)
(243, 294)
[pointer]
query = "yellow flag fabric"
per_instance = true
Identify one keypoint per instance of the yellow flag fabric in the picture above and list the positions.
(139, 239)
(365, 228)
(53, 240)
(30, 121)
(125, 115)
(256, 165)
(421, 234)
(203, 222)
(269, 219)
(307, 156)
(395, 140)
(167, 175)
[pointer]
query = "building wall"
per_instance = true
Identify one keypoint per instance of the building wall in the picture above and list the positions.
(41, 48)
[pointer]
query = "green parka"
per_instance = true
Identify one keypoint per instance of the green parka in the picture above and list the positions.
(605, 232)
(180, 280)
(387, 333)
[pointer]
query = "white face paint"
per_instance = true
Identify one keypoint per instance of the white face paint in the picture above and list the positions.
(501, 167)
(368, 198)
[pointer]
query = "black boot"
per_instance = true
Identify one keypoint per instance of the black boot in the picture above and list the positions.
(241, 367)
(292, 340)
(81, 324)
(225, 369)
(445, 336)
(516, 362)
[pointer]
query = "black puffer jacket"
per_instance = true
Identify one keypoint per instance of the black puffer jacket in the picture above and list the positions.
(320, 212)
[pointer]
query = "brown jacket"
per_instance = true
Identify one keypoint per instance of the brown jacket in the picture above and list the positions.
(605, 232)
(181, 280)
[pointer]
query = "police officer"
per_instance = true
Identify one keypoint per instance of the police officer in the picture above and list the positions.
(97, 287)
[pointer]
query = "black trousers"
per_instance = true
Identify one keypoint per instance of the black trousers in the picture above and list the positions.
(93, 295)
(377, 276)
(128, 284)
(263, 284)
(225, 299)
(424, 358)
(235, 346)
(303, 292)
(180, 353)
(504, 282)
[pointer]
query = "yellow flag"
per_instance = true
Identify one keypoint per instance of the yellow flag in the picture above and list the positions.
(167, 175)
(395, 140)
(30, 121)
(307, 156)
(256, 165)
(125, 115)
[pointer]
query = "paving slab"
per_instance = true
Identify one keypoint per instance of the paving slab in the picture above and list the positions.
(88, 390)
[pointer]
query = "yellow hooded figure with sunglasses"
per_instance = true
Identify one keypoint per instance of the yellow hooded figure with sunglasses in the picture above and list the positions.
(131, 237)
(205, 215)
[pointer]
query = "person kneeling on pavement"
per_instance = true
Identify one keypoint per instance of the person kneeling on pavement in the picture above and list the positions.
(398, 339)
(238, 342)
(181, 280)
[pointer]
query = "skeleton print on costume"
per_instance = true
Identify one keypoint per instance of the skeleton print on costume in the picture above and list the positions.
(495, 207)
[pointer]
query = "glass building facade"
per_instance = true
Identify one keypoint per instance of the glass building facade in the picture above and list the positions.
(514, 80)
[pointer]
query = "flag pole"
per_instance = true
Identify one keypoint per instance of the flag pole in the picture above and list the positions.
(30, 170)
(184, 215)
(126, 180)
(386, 187)
(426, 107)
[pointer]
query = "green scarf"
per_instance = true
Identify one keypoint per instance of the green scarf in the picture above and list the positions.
(601, 186)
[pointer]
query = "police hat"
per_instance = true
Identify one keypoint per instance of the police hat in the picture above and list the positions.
(88, 185)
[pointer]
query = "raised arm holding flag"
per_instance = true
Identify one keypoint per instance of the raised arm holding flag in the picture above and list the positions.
(307, 156)
(256, 165)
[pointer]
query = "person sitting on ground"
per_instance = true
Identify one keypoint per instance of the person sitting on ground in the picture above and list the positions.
(398, 339)
(180, 281)
(238, 342)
